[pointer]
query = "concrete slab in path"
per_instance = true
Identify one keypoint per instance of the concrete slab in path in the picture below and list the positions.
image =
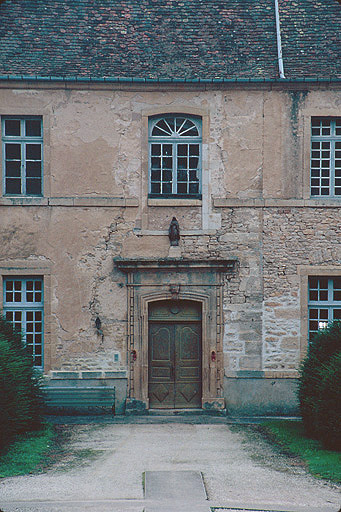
(171, 491)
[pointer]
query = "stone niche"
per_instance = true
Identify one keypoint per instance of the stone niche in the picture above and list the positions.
(150, 280)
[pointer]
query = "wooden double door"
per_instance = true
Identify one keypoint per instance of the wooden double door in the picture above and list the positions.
(175, 355)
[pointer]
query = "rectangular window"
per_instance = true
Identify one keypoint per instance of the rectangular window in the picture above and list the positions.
(23, 305)
(325, 170)
(324, 302)
(22, 146)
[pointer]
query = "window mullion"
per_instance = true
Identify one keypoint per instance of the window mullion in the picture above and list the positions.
(332, 167)
(23, 167)
(175, 159)
(23, 155)
(330, 290)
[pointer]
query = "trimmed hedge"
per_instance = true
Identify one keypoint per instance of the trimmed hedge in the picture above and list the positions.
(320, 387)
(21, 402)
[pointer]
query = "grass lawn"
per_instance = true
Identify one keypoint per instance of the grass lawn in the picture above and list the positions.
(289, 435)
(27, 453)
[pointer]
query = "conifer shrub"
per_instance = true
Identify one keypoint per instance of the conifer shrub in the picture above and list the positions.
(320, 387)
(20, 393)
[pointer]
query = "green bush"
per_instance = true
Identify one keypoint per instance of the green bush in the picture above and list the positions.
(320, 387)
(20, 394)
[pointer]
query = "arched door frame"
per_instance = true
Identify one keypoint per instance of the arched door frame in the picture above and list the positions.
(210, 366)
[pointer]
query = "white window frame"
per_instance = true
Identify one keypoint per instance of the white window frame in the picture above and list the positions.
(325, 171)
(23, 140)
(326, 307)
(174, 140)
(25, 306)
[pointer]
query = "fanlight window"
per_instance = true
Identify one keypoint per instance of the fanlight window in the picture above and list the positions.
(175, 156)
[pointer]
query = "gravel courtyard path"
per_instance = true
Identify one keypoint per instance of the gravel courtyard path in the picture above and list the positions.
(104, 465)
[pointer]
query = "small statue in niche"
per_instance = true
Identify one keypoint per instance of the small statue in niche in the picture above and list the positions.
(174, 232)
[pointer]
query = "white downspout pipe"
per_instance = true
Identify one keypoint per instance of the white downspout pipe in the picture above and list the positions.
(279, 42)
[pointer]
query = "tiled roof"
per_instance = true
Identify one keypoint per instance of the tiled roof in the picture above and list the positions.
(311, 37)
(176, 39)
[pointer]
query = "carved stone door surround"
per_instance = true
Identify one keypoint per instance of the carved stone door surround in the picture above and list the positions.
(172, 279)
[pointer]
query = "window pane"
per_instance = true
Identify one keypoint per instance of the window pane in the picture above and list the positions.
(313, 295)
(167, 188)
(13, 168)
(156, 175)
(336, 314)
(33, 169)
(167, 163)
(166, 175)
(12, 127)
(33, 186)
(17, 316)
(193, 188)
(313, 313)
(323, 283)
(182, 175)
(33, 151)
(182, 149)
(182, 163)
(188, 129)
(38, 361)
(156, 149)
(323, 295)
(182, 188)
(313, 325)
(13, 151)
(155, 188)
(193, 175)
(193, 162)
(33, 128)
(167, 150)
(156, 162)
(12, 186)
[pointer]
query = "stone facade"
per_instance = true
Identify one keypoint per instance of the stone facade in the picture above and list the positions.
(255, 211)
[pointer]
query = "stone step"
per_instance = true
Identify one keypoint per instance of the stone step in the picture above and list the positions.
(186, 412)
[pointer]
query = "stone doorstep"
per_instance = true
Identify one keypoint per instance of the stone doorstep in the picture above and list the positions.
(186, 412)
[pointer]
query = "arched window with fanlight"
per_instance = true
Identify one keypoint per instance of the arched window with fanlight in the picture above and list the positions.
(175, 156)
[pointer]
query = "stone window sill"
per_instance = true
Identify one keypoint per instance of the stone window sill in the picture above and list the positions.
(173, 202)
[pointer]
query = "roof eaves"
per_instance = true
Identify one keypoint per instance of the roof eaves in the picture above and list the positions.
(89, 79)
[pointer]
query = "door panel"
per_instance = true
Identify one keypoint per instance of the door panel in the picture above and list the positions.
(174, 365)
(161, 365)
(187, 366)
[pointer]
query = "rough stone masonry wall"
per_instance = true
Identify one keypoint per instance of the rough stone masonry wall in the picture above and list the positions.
(239, 237)
(292, 237)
